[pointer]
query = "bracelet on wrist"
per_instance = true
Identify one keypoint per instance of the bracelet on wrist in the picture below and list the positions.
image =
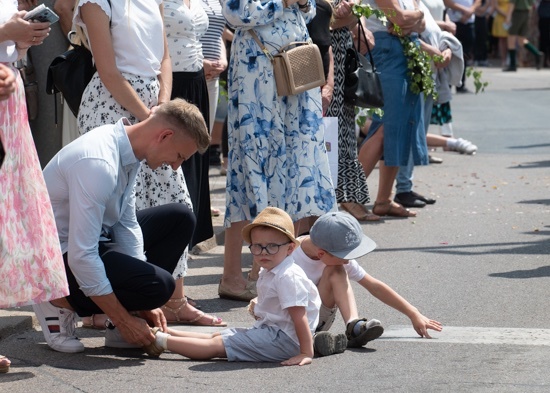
(303, 6)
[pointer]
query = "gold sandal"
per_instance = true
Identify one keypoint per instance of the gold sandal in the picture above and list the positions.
(215, 321)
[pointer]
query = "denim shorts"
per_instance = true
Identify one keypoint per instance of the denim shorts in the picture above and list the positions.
(263, 344)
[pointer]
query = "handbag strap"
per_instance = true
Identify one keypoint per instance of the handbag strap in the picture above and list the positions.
(362, 33)
(260, 44)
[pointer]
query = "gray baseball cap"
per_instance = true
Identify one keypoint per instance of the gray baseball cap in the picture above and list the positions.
(341, 234)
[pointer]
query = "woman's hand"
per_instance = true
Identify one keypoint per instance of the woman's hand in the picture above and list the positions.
(343, 10)
(213, 69)
(23, 32)
(26, 5)
(326, 96)
(7, 82)
(447, 55)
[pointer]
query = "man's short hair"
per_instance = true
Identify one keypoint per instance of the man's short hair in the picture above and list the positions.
(186, 118)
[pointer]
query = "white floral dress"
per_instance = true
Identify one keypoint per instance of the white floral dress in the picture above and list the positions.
(277, 156)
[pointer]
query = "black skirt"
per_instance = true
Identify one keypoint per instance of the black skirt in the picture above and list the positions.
(191, 86)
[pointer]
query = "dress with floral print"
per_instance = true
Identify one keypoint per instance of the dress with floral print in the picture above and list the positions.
(277, 155)
(31, 264)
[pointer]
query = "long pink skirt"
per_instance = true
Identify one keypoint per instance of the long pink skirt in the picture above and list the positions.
(31, 264)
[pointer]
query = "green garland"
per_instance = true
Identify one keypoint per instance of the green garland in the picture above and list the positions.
(418, 61)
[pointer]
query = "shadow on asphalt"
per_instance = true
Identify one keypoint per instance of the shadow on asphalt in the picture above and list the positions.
(531, 165)
(543, 271)
(530, 146)
(537, 202)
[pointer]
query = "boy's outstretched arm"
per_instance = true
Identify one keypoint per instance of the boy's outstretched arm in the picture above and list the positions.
(384, 293)
(299, 317)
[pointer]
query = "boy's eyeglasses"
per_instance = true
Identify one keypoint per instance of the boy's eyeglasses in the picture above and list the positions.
(271, 248)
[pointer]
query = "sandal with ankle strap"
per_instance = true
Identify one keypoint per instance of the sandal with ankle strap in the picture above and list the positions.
(392, 209)
(91, 323)
(215, 321)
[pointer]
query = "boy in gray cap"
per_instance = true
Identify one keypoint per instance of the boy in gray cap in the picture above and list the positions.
(327, 255)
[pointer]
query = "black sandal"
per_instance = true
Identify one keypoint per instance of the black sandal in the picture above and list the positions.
(366, 335)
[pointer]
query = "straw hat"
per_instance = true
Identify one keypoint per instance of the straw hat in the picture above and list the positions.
(275, 218)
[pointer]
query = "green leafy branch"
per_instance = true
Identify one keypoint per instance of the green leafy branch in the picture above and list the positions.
(479, 84)
(362, 114)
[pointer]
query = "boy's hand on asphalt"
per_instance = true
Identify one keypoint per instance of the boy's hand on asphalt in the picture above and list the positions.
(421, 324)
(298, 360)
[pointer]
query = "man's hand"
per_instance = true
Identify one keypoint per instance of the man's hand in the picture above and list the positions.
(155, 318)
(298, 360)
(136, 331)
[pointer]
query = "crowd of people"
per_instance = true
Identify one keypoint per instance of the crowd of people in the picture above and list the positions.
(115, 211)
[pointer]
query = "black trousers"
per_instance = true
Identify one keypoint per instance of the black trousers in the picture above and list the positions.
(137, 284)
(465, 33)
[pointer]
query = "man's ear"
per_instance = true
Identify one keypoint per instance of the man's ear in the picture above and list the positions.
(165, 133)
(321, 253)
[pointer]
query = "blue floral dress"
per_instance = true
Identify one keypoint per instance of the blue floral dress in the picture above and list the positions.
(277, 156)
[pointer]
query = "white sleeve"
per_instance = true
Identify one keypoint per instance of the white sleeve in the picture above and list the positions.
(355, 272)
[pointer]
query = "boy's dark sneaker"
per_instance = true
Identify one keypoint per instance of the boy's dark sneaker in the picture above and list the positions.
(326, 343)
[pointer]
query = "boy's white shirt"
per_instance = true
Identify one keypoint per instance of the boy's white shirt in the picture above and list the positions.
(314, 268)
(286, 285)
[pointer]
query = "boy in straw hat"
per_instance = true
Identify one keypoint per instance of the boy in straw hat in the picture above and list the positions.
(327, 256)
(287, 310)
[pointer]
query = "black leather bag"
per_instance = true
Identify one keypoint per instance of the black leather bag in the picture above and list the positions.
(70, 73)
(362, 85)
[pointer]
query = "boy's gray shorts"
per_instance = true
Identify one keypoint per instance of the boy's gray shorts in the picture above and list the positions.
(264, 344)
(326, 318)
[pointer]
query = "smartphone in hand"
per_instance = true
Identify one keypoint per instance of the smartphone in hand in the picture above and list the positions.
(41, 14)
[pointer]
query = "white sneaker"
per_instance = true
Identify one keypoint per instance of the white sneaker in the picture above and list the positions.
(113, 339)
(58, 326)
(464, 146)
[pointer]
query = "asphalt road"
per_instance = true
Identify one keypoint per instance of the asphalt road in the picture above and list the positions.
(478, 261)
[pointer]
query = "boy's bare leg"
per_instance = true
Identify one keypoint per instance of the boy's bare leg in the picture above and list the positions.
(335, 290)
(181, 333)
(197, 348)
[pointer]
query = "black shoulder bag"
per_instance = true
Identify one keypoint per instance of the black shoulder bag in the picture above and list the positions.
(70, 72)
(362, 84)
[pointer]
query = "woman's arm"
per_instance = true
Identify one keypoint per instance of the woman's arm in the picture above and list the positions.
(328, 87)
(165, 77)
(299, 318)
(408, 20)
(64, 8)
(101, 44)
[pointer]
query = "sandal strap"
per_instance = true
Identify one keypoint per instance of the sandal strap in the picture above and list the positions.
(351, 325)
(176, 310)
